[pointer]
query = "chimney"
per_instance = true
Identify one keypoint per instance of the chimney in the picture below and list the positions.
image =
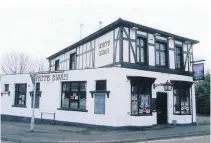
(100, 24)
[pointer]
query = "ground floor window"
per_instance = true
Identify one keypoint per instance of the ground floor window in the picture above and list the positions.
(140, 100)
(20, 94)
(181, 100)
(74, 95)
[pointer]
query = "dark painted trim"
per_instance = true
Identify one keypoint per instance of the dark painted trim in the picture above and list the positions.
(151, 44)
(171, 49)
(110, 65)
(147, 49)
(114, 48)
(149, 114)
(129, 46)
(21, 106)
(176, 44)
(121, 46)
(5, 117)
(180, 114)
(142, 36)
(118, 23)
(167, 52)
(155, 69)
(72, 109)
(161, 40)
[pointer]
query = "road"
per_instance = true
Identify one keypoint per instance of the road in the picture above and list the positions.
(199, 139)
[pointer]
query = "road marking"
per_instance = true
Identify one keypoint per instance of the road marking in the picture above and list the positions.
(174, 139)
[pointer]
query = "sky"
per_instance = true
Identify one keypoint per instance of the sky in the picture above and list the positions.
(40, 28)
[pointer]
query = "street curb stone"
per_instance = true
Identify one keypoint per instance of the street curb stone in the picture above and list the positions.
(4, 138)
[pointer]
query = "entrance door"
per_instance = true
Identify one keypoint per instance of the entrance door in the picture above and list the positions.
(161, 108)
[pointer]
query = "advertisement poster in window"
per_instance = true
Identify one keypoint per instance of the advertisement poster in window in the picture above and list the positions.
(144, 106)
(198, 71)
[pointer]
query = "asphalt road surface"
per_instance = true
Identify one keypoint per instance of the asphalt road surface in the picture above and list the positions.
(199, 139)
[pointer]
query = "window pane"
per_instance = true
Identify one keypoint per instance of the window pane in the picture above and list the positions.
(176, 105)
(138, 54)
(101, 85)
(144, 103)
(74, 86)
(157, 46)
(83, 86)
(162, 47)
(141, 42)
(138, 41)
(162, 58)
(73, 104)
(65, 100)
(134, 104)
(142, 55)
(157, 58)
(82, 100)
(134, 89)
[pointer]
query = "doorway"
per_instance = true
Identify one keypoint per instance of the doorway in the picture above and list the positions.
(161, 108)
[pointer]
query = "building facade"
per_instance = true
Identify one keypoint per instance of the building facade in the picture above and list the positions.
(110, 78)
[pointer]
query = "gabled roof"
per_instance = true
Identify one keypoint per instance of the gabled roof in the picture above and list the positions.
(115, 24)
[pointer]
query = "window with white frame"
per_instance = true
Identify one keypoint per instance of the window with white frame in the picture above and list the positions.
(141, 50)
(161, 54)
(178, 58)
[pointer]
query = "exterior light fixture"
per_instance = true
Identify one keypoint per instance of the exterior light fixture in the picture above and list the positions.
(167, 86)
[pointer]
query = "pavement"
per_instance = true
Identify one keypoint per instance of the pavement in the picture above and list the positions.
(19, 132)
(198, 139)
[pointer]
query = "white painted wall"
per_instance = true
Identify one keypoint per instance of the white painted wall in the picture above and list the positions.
(117, 105)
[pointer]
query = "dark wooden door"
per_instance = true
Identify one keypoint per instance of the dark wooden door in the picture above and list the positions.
(161, 108)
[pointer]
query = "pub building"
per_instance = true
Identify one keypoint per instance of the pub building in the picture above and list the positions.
(123, 75)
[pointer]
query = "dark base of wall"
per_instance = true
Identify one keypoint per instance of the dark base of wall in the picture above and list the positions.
(5, 117)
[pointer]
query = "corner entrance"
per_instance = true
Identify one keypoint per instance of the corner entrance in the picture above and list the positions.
(161, 108)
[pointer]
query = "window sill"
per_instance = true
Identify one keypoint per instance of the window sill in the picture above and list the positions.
(72, 109)
(149, 114)
(5, 92)
(22, 106)
(181, 114)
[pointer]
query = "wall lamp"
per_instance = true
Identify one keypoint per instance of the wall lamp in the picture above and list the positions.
(167, 86)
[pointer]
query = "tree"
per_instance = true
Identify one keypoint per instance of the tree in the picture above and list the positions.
(14, 63)
(17, 63)
(202, 91)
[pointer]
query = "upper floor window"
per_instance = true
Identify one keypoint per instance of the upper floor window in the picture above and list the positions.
(178, 58)
(161, 54)
(6, 87)
(141, 50)
(73, 61)
(56, 65)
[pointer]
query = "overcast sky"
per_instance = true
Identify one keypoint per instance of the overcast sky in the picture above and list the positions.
(41, 28)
